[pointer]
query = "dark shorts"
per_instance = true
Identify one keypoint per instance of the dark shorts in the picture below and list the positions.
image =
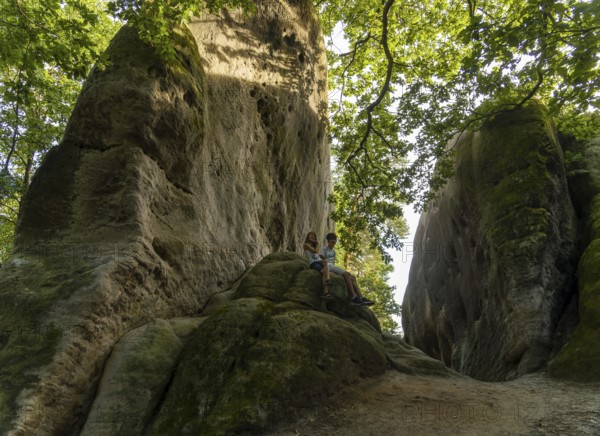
(318, 265)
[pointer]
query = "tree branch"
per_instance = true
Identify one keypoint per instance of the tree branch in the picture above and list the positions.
(15, 134)
(531, 93)
(386, 84)
(33, 22)
(353, 53)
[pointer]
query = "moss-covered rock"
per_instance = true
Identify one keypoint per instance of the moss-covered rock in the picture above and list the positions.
(263, 349)
(276, 347)
(495, 253)
(135, 376)
(30, 339)
(408, 359)
(579, 359)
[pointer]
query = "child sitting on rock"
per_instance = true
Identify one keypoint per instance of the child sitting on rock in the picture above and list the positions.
(315, 262)
(328, 253)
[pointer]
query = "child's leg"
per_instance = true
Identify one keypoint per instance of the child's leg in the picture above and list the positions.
(325, 277)
(349, 285)
(346, 276)
(355, 285)
(326, 272)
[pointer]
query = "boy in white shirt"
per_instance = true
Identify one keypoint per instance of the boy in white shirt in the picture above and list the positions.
(328, 253)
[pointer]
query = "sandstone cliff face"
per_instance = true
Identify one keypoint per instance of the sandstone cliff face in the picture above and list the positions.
(495, 253)
(172, 180)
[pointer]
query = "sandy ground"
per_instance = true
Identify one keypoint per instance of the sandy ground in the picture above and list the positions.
(399, 404)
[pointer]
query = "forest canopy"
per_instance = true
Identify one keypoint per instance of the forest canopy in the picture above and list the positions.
(414, 74)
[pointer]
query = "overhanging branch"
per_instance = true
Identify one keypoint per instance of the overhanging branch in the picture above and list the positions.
(384, 89)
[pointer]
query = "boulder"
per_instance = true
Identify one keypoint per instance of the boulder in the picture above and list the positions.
(275, 346)
(174, 177)
(135, 376)
(495, 253)
(579, 359)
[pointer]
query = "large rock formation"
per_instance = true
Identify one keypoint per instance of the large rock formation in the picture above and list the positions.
(173, 178)
(579, 359)
(262, 350)
(273, 349)
(495, 253)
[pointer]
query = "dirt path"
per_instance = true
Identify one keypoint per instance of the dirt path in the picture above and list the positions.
(397, 404)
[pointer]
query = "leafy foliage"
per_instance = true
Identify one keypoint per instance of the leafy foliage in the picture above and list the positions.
(418, 73)
(155, 19)
(48, 47)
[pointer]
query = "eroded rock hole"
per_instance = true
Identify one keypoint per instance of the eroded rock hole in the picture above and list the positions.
(190, 98)
(261, 106)
(160, 249)
(156, 71)
(290, 39)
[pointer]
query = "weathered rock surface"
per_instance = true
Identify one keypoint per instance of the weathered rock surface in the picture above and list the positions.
(495, 253)
(173, 178)
(579, 359)
(135, 377)
(274, 347)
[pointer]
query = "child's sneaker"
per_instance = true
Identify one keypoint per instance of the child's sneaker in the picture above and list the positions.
(366, 302)
(356, 301)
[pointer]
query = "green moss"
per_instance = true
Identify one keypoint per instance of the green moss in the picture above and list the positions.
(594, 220)
(256, 376)
(271, 279)
(580, 358)
(137, 372)
(206, 364)
(186, 67)
(27, 349)
(26, 343)
(410, 360)
(514, 181)
(589, 287)
(276, 347)
(516, 206)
